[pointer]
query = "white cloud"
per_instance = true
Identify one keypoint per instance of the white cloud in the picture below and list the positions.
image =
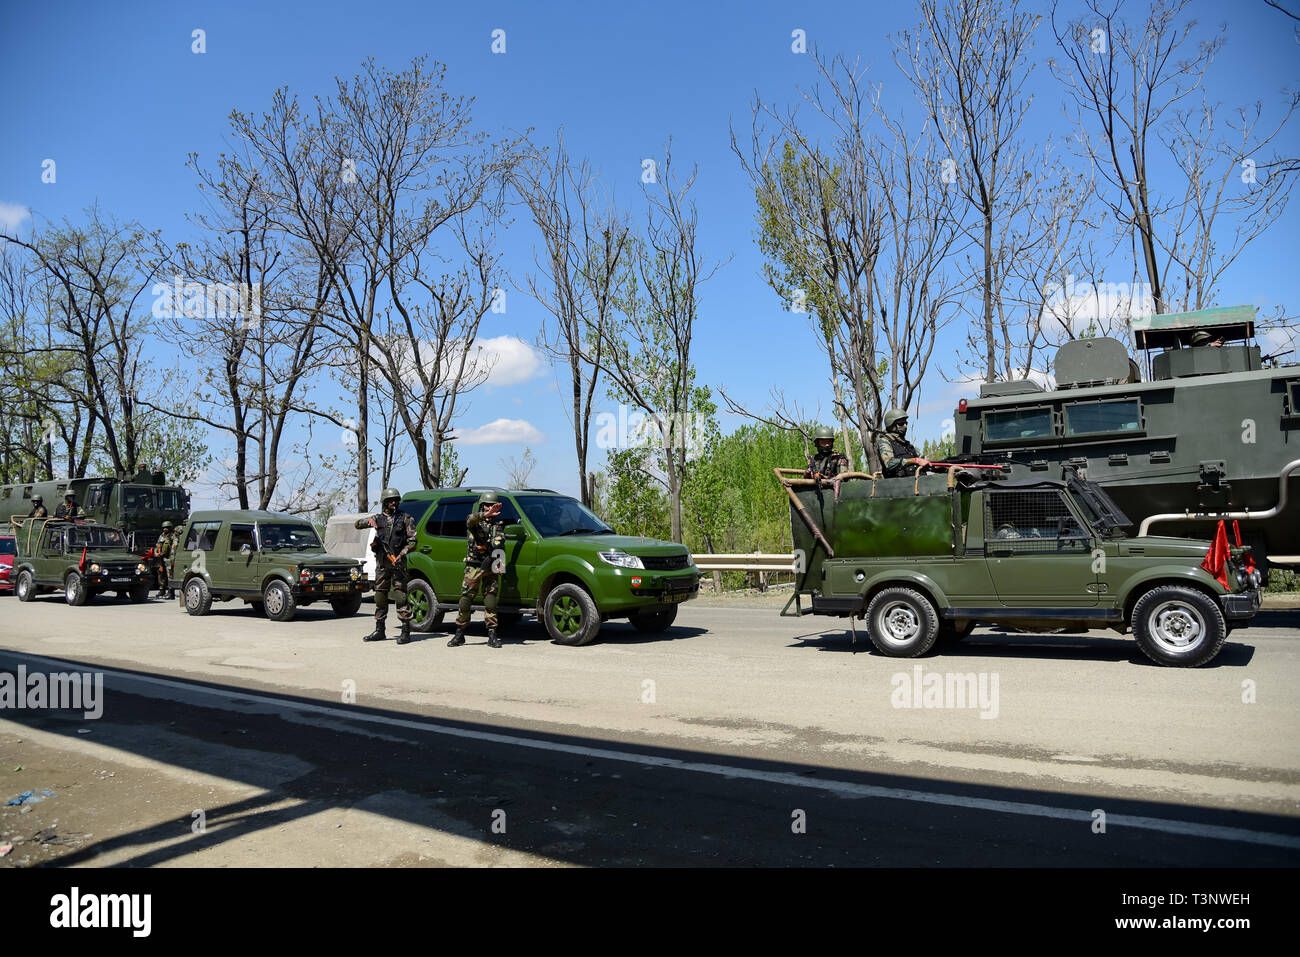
(12, 216)
(501, 431)
(512, 360)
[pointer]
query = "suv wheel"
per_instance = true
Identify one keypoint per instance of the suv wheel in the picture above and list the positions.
(25, 587)
(347, 606)
(570, 615)
(197, 597)
(139, 593)
(278, 601)
(902, 623)
(1178, 626)
(423, 603)
(653, 622)
(75, 591)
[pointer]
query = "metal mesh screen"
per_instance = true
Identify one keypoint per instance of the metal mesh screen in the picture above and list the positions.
(1037, 521)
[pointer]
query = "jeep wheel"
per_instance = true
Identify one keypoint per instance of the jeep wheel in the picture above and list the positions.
(347, 606)
(25, 587)
(1178, 626)
(902, 623)
(197, 597)
(139, 593)
(75, 591)
(423, 603)
(653, 622)
(570, 615)
(950, 634)
(278, 601)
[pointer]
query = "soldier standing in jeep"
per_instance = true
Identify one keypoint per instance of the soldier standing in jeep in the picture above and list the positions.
(484, 563)
(394, 537)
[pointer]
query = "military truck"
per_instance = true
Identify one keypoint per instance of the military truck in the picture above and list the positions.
(1212, 433)
(81, 559)
(136, 507)
(272, 561)
(923, 560)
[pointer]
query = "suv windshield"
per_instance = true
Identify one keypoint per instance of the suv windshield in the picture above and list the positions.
(293, 536)
(1100, 508)
(554, 515)
(90, 536)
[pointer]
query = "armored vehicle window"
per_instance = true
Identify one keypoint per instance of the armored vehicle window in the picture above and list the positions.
(1124, 415)
(202, 536)
(137, 498)
(97, 496)
(1034, 520)
(168, 499)
(1033, 423)
(241, 535)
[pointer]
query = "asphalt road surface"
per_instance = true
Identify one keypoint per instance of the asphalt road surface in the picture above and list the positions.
(736, 738)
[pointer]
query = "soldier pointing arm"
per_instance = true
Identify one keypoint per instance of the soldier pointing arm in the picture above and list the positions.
(485, 538)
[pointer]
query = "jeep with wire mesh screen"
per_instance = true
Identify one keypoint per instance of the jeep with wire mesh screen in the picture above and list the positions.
(922, 561)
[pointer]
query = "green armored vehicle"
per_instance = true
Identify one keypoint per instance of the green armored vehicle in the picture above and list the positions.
(81, 559)
(136, 507)
(922, 560)
(1212, 433)
(272, 561)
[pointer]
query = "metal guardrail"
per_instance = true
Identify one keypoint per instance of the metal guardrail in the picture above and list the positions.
(746, 562)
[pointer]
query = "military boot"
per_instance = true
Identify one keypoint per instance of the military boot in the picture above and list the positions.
(378, 634)
(404, 635)
(457, 639)
(493, 640)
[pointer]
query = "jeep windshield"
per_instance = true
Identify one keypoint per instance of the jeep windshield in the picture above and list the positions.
(287, 536)
(1102, 512)
(553, 516)
(90, 536)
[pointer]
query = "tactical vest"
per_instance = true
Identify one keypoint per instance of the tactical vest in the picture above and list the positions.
(481, 537)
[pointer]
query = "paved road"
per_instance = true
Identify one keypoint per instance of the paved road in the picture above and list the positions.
(737, 738)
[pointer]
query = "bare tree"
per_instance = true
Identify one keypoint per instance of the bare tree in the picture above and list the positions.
(518, 471)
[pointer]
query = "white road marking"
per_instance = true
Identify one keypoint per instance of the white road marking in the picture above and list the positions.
(845, 789)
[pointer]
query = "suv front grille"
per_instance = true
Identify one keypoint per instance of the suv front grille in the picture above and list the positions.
(334, 574)
(663, 563)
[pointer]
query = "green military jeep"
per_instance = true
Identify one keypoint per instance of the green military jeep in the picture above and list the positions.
(83, 559)
(562, 563)
(924, 560)
(272, 561)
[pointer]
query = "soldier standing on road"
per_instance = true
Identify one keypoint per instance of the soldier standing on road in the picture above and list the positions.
(38, 508)
(69, 510)
(827, 463)
(162, 553)
(394, 538)
(896, 453)
(484, 563)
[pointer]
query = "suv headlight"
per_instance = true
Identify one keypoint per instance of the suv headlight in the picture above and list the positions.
(94, 568)
(620, 558)
(141, 568)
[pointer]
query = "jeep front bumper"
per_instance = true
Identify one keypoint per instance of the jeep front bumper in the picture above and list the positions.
(1240, 606)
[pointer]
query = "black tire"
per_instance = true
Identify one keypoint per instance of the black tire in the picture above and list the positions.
(570, 615)
(196, 597)
(25, 586)
(75, 591)
(654, 622)
(950, 634)
(1178, 627)
(423, 603)
(347, 606)
(277, 599)
(902, 623)
(138, 594)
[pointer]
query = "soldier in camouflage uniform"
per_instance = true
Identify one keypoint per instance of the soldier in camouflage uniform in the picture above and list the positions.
(827, 463)
(69, 510)
(162, 554)
(896, 453)
(394, 538)
(484, 564)
(38, 508)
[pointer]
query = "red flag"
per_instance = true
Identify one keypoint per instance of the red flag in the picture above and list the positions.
(1216, 559)
(1250, 559)
(81, 565)
(149, 554)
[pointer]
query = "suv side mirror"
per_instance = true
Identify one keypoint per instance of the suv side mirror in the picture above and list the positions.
(245, 549)
(516, 532)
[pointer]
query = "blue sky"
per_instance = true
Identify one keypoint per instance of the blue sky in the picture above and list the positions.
(113, 93)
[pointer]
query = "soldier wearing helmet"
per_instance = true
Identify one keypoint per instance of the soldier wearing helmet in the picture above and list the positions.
(394, 538)
(162, 552)
(38, 508)
(896, 453)
(69, 510)
(484, 565)
(826, 463)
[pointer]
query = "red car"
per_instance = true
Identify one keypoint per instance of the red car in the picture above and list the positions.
(6, 562)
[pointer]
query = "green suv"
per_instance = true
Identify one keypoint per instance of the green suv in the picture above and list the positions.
(562, 563)
(922, 561)
(270, 560)
(82, 559)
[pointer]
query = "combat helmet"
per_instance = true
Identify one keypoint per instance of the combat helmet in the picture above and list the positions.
(168, 524)
(37, 500)
(824, 432)
(488, 498)
(893, 416)
(389, 493)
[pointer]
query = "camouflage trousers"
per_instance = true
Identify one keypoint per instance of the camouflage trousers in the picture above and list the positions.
(160, 573)
(395, 578)
(491, 582)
